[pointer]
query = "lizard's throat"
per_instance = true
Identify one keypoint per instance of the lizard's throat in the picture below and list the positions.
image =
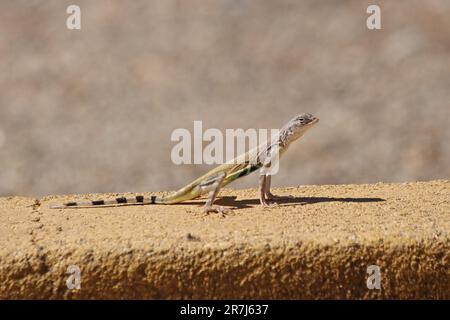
(287, 137)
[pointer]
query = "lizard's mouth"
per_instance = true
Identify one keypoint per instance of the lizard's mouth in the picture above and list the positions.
(314, 121)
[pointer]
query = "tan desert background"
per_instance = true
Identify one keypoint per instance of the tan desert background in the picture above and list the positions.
(92, 110)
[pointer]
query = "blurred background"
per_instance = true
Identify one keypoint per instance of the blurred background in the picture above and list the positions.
(92, 110)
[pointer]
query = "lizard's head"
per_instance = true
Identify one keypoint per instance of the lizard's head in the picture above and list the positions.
(304, 120)
(295, 128)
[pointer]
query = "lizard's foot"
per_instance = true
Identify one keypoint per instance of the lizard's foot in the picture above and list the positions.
(271, 197)
(216, 209)
(268, 204)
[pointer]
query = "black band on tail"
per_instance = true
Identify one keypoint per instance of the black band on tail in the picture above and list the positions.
(139, 198)
(98, 202)
(153, 199)
(121, 200)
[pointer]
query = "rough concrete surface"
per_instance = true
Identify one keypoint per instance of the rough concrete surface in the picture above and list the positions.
(316, 244)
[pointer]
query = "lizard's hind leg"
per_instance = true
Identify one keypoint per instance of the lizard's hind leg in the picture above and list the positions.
(213, 185)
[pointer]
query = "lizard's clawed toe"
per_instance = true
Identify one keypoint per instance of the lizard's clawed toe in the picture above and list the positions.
(269, 204)
(218, 209)
(271, 197)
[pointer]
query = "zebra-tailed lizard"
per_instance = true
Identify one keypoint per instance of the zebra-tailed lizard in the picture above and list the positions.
(224, 174)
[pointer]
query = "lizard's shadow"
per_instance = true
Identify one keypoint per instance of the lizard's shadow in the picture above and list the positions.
(230, 201)
(248, 203)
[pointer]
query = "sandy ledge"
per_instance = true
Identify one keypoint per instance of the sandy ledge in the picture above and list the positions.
(317, 244)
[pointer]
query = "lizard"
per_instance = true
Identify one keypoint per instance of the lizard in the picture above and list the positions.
(212, 181)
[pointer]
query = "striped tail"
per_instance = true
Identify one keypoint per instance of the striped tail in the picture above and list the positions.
(113, 202)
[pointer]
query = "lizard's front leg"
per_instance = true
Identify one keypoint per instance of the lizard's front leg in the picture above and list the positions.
(266, 197)
(213, 185)
(269, 195)
(262, 190)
